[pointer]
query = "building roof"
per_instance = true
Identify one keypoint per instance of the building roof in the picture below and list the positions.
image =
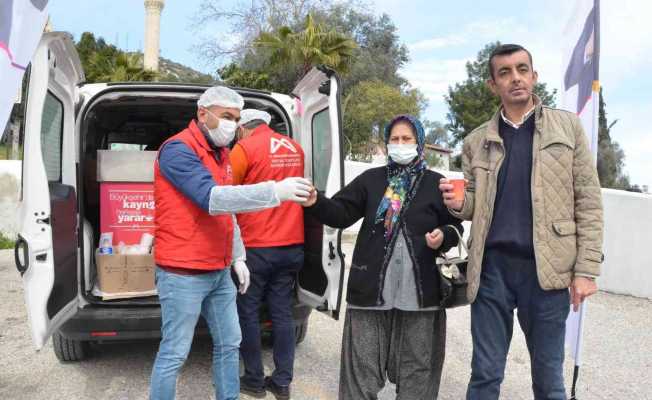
(438, 148)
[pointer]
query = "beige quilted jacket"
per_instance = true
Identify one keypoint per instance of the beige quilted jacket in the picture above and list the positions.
(566, 198)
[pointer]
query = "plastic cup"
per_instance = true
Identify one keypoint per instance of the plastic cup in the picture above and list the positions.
(458, 188)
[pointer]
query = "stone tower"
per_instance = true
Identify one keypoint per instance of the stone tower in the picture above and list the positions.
(153, 10)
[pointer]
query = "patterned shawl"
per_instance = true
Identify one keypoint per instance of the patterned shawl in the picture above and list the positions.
(400, 178)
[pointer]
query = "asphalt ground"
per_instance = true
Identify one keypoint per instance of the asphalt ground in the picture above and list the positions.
(617, 357)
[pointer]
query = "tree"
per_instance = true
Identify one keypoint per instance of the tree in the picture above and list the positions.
(369, 108)
(233, 75)
(124, 67)
(86, 47)
(306, 48)
(379, 54)
(436, 133)
(245, 21)
(279, 59)
(106, 63)
(611, 157)
(471, 103)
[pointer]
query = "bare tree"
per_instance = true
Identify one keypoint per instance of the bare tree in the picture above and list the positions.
(245, 21)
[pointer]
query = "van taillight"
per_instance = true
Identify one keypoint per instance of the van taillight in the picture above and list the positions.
(103, 334)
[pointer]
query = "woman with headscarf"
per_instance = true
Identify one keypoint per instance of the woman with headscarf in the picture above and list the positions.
(394, 326)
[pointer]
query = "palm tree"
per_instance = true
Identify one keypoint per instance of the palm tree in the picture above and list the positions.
(314, 45)
(123, 67)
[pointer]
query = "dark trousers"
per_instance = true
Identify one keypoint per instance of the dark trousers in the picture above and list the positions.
(405, 347)
(273, 274)
(509, 282)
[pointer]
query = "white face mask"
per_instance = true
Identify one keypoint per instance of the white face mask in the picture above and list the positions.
(224, 133)
(402, 153)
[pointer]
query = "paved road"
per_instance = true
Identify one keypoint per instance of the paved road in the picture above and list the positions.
(617, 362)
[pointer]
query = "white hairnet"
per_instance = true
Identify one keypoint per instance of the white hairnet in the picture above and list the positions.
(251, 114)
(222, 97)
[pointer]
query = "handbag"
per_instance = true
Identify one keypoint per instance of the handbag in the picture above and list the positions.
(452, 276)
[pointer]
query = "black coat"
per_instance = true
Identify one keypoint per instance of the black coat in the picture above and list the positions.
(360, 199)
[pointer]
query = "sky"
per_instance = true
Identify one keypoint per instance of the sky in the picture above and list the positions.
(441, 36)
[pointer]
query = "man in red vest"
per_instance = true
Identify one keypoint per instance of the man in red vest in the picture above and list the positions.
(198, 242)
(261, 155)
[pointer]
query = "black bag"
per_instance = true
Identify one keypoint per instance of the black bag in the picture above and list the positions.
(452, 276)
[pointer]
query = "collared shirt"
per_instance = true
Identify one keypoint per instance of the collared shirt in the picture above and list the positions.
(517, 125)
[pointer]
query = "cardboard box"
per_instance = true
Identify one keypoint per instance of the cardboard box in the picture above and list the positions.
(121, 276)
(125, 166)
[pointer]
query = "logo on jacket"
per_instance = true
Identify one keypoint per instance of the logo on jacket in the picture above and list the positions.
(276, 144)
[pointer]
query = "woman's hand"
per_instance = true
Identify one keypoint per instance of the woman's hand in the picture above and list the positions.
(312, 198)
(435, 238)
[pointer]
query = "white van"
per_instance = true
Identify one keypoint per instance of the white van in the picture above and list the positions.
(67, 122)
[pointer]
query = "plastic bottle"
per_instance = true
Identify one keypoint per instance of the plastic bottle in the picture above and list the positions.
(106, 243)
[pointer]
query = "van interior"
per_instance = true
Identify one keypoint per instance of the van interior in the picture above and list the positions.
(139, 121)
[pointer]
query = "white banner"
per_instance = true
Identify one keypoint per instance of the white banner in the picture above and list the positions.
(580, 95)
(21, 27)
(580, 88)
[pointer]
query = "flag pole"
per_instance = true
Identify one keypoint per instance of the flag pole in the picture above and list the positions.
(576, 319)
(578, 348)
(576, 372)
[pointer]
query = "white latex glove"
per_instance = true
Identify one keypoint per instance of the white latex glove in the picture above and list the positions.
(293, 189)
(242, 272)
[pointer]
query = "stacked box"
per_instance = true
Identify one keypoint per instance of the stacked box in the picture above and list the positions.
(121, 276)
(126, 210)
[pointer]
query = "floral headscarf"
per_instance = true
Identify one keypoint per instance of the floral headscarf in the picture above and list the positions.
(400, 178)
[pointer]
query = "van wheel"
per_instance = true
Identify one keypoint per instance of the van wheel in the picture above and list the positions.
(69, 350)
(301, 331)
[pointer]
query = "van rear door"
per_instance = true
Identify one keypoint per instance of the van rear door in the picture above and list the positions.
(321, 279)
(47, 246)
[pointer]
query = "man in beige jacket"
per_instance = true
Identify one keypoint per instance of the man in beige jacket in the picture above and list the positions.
(534, 198)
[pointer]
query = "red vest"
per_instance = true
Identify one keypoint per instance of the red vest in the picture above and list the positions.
(272, 157)
(186, 235)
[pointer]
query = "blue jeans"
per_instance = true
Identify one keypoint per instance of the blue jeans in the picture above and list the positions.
(273, 272)
(183, 299)
(508, 282)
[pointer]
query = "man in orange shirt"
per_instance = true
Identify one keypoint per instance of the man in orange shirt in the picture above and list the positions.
(274, 245)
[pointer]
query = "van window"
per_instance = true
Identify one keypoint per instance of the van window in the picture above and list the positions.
(51, 136)
(322, 148)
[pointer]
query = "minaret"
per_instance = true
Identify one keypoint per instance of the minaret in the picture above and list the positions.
(153, 10)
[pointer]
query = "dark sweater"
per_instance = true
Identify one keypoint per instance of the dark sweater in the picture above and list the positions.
(360, 199)
(511, 227)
